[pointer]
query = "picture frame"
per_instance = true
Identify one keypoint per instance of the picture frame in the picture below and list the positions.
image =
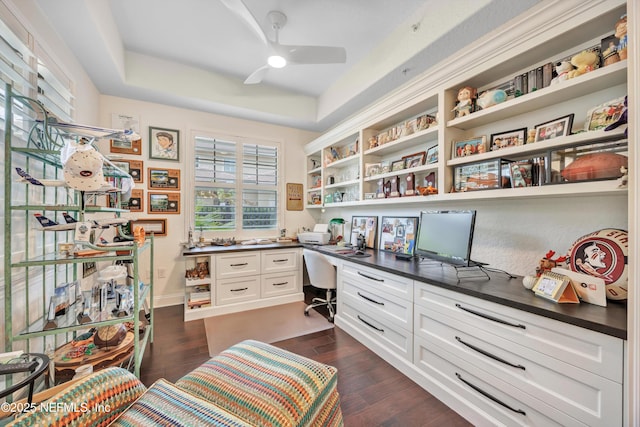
(157, 226)
(414, 160)
(398, 234)
(432, 155)
(385, 166)
(126, 147)
(511, 138)
(163, 203)
(163, 178)
(397, 165)
(366, 226)
(164, 144)
(371, 169)
(294, 196)
(605, 114)
(135, 168)
(469, 147)
(554, 128)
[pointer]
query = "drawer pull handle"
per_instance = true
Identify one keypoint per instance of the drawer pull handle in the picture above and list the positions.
(486, 353)
(239, 290)
(369, 324)
(485, 394)
(281, 260)
(370, 299)
(372, 278)
(239, 265)
(495, 319)
(280, 284)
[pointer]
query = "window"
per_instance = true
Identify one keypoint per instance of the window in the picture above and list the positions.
(236, 184)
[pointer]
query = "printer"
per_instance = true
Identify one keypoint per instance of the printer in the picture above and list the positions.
(319, 236)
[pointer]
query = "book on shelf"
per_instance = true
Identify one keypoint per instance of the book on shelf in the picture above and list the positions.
(199, 296)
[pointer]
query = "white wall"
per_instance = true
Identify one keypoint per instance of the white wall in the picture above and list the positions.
(170, 289)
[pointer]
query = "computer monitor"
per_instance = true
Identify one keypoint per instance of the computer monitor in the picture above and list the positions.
(446, 236)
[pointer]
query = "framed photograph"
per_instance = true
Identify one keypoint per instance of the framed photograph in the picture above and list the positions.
(88, 268)
(134, 168)
(510, 138)
(432, 155)
(554, 128)
(469, 147)
(398, 234)
(151, 225)
(521, 174)
(385, 166)
(166, 179)
(164, 144)
(163, 203)
(414, 160)
(366, 226)
(134, 204)
(605, 114)
(371, 169)
(126, 147)
(398, 165)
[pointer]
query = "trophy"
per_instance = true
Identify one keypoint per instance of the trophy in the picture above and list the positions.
(395, 190)
(411, 185)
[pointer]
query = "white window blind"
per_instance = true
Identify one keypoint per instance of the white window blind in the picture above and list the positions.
(236, 185)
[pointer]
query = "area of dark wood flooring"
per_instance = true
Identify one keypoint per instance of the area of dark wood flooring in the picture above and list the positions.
(372, 392)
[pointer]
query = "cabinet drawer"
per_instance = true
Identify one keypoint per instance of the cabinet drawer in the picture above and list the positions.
(595, 352)
(279, 284)
(237, 265)
(583, 395)
(229, 291)
(389, 335)
(280, 260)
(379, 280)
(509, 407)
(379, 304)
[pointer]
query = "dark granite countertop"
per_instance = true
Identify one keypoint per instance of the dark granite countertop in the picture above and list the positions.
(212, 249)
(610, 320)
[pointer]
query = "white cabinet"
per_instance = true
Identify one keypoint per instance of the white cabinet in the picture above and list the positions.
(248, 279)
(545, 365)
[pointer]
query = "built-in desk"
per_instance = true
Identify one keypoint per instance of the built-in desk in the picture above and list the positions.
(487, 347)
(242, 277)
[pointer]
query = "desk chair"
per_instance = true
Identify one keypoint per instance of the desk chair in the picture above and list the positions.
(322, 274)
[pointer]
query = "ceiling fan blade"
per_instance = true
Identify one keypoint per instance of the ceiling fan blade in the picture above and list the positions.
(257, 76)
(239, 8)
(315, 54)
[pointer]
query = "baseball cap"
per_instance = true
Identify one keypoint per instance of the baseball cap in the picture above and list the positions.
(83, 168)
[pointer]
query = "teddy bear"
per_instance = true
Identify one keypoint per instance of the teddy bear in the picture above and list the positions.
(621, 34)
(562, 70)
(584, 62)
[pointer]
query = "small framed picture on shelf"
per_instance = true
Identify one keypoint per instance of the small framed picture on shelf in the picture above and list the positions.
(398, 165)
(385, 166)
(371, 169)
(520, 174)
(605, 114)
(432, 155)
(511, 138)
(414, 160)
(554, 128)
(469, 147)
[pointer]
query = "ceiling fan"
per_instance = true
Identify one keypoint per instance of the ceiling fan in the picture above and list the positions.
(280, 55)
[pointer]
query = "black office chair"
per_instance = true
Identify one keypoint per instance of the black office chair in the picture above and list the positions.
(322, 274)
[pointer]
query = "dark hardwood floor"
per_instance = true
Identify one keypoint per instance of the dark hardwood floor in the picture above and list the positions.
(372, 392)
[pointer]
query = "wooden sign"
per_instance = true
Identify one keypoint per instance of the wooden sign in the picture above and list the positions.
(294, 197)
(167, 179)
(126, 147)
(163, 203)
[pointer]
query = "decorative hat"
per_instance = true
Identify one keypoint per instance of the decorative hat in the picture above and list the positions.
(83, 169)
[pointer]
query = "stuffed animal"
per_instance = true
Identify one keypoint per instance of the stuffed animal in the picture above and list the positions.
(584, 62)
(491, 98)
(621, 34)
(562, 70)
(547, 263)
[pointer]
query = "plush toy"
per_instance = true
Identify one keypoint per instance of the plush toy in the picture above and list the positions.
(562, 70)
(621, 121)
(491, 98)
(547, 262)
(621, 34)
(584, 62)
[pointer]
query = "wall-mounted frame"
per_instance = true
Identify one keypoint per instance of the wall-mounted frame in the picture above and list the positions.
(157, 226)
(414, 160)
(135, 168)
(163, 179)
(126, 147)
(554, 128)
(163, 203)
(134, 204)
(398, 234)
(510, 138)
(294, 197)
(366, 226)
(469, 147)
(164, 144)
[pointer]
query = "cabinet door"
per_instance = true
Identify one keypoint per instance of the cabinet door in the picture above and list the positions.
(280, 260)
(237, 265)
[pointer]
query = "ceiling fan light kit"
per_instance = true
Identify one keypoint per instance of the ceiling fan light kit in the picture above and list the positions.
(281, 55)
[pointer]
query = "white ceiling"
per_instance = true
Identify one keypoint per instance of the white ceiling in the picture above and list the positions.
(196, 53)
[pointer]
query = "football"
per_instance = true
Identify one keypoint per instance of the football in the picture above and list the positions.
(595, 166)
